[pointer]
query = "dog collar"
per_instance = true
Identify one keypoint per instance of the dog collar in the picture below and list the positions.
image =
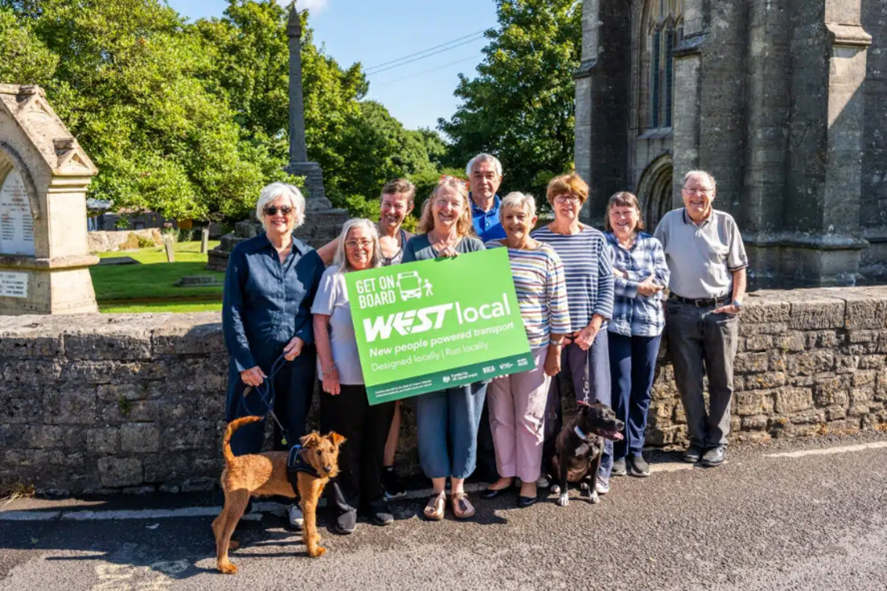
(580, 433)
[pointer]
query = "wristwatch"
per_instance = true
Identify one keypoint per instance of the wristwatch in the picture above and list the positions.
(737, 303)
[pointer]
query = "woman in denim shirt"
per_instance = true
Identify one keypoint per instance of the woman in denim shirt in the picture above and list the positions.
(269, 286)
(636, 327)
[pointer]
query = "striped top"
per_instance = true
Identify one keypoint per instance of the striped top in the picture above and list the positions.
(541, 291)
(588, 270)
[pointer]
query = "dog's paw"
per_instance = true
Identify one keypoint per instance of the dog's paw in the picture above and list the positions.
(318, 552)
(563, 500)
(583, 487)
(593, 498)
(555, 489)
(227, 568)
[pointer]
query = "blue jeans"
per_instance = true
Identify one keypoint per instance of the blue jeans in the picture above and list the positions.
(633, 367)
(573, 363)
(447, 423)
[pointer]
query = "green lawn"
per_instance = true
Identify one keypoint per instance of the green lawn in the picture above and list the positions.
(149, 287)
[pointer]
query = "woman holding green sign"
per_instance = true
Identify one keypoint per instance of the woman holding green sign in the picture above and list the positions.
(344, 407)
(517, 401)
(453, 414)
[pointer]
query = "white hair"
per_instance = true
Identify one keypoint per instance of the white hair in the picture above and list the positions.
(278, 189)
(484, 158)
(704, 173)
(516, 200)
(341, 260)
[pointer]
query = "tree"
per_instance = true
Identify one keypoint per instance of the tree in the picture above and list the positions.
(520, 106)
(129, 83)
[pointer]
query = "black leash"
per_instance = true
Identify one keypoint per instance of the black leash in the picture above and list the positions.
(265, 390)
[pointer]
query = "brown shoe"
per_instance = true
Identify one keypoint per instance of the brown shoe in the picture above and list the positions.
(462, 507)
(434, 509)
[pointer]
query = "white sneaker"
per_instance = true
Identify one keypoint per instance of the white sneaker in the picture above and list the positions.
(602, 486)
(294, 514)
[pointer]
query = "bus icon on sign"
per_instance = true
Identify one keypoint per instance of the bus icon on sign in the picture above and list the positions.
(409, 284)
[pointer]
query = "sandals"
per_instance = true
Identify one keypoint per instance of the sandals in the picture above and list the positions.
(434, 509)
(462, 507)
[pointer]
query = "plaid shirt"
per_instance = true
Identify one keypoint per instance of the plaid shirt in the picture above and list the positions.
(634, 314)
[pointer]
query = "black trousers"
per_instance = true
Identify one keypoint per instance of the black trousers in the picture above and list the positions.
(365, 429)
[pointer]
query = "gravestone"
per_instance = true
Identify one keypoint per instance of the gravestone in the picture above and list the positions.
(44, 174)
(204, 240)
(323, 222)
(169, 248)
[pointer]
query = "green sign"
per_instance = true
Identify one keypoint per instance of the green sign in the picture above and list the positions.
(431, 325)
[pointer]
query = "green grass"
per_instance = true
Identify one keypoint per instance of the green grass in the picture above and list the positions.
(158, 307)
(149, 287)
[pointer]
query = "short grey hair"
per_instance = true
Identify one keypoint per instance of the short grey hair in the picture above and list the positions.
(278, 189)
(341, 259)
(704, 173)
(484, 158)
(516, 200)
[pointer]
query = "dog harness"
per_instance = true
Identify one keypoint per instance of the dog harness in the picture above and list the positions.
(295, 463)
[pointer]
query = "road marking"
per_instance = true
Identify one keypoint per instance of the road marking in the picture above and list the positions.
(829, 450)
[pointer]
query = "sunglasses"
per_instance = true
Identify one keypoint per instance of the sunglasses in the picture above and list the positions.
(272, 210)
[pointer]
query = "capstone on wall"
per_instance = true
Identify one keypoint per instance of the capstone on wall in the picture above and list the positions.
(136, 402)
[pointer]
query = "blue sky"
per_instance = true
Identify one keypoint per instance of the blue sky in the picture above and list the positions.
(374, 32)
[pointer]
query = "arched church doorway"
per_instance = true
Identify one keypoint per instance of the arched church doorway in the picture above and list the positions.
(655, 191)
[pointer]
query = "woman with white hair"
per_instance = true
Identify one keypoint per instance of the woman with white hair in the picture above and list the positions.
(269, 286)
(344, 407)
(517, 402)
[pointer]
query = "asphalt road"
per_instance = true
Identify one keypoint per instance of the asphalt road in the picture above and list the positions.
(814, 522)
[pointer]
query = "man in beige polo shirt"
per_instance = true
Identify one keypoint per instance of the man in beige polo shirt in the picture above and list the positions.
(707, 260)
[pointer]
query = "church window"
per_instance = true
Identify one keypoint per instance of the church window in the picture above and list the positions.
(664, 32)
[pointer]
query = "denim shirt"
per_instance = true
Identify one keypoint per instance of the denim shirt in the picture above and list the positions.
(486, 223)
(268, 302)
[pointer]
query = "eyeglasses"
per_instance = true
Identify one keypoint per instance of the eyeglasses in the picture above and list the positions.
(358, 243)
(566, 199)
(695, 191)
(272, 210)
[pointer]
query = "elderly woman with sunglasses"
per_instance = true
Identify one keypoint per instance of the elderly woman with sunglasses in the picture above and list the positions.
(447, 420)
(266, 312)
(344, 407)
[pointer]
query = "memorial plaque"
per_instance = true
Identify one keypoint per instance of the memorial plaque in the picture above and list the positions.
(16, 223)
(13, 285)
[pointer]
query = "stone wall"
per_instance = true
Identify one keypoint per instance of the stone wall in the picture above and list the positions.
(102, 241)
(136, 402)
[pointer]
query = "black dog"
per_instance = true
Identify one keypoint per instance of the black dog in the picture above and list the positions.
(579, 448)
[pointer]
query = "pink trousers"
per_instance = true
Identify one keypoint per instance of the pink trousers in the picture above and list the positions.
(517, 419)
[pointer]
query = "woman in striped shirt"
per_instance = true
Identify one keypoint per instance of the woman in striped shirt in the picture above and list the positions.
(589, 274)
(517, 401)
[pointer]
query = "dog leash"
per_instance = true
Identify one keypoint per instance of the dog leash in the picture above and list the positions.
(586, 381)
(265, 390)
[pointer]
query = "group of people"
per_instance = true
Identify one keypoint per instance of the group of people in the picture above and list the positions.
(594, 305)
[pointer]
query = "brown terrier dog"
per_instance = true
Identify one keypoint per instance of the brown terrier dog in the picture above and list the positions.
(266, 474)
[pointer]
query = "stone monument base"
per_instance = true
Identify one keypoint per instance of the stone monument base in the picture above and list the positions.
(61, 285)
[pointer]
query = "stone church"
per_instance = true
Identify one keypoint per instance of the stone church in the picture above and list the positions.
(783, 101)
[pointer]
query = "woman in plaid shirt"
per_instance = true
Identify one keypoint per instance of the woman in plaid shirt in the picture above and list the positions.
(636, 326)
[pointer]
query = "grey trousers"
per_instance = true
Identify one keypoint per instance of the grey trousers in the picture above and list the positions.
(701, 343)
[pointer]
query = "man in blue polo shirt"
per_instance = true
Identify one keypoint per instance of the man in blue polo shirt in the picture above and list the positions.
(484, 177)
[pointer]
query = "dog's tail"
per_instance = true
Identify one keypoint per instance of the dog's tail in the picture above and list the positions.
(232, 427)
